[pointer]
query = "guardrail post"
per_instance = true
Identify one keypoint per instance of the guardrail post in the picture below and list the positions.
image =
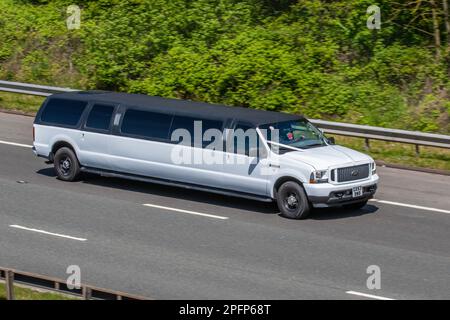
(9, 280)
(87, 293)
(366, 144)
(417, 150)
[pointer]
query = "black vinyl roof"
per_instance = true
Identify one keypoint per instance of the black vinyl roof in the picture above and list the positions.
(181, 107)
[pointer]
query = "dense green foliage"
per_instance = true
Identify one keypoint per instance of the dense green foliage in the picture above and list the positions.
(314, 57)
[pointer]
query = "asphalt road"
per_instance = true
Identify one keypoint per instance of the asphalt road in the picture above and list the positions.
(243, 250)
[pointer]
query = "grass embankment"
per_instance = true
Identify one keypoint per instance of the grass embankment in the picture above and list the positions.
(19, 102)
(397, 153)
(30, 294)
(400, 153)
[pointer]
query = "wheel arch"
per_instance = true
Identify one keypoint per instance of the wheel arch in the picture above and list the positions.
(58, 145)
(282, 180)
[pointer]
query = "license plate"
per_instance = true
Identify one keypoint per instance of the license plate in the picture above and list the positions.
(356, 192)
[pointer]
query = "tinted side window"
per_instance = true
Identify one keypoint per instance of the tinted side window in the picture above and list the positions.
(146, 124)
(187, 123)
(100, 117)
(183, 123)
(63, 112)
(245, 139)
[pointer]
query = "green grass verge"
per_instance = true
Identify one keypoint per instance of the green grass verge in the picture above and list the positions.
(400, 153)
(20, 102)
(397, 153)
(30, 294)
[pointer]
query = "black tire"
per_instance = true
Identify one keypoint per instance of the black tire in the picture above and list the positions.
(292, 201)
(66, 164)
(356, 205)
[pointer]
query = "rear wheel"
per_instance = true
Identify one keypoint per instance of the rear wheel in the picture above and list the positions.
(66, 164)
(292, 201)
(356, 205)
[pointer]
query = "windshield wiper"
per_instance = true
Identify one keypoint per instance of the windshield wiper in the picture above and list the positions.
(317, 144)
(284, 149)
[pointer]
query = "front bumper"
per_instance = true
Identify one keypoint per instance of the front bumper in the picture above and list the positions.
(328, 195)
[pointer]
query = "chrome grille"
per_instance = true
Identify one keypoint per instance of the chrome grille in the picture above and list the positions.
(352, 173)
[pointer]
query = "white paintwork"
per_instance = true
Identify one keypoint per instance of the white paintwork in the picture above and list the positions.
(324, 189)
(251, 175)
(244, 174)
(329, 156)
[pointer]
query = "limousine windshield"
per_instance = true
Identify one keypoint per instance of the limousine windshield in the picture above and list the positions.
(297, 134)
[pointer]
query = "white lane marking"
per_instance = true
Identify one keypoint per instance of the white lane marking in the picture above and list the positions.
(410, 206)
(368, 295)
(185, 211)
(16, 144)
(46, 232)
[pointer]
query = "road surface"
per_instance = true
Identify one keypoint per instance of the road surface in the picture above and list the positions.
(193, 245)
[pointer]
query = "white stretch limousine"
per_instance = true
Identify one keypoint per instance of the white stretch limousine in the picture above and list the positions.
(236, 151)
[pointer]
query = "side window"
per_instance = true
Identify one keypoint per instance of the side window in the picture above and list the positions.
(63, 112)
(187, 123)
(211, 124)
(100, 117)
(244, 138)
(146, 124)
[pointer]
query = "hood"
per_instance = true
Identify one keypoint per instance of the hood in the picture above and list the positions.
(322, 158)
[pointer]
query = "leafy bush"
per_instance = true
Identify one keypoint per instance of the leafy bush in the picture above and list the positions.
(313, 57)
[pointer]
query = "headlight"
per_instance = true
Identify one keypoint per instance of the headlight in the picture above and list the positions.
(320, 176)
(373, 166)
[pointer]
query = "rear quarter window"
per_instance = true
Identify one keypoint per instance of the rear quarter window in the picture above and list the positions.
(63, 112)
(100, 117)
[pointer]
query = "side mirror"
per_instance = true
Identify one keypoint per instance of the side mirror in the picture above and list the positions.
(331, 140)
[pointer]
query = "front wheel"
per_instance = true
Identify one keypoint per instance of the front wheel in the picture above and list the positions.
(292, 201)
(66, 164)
